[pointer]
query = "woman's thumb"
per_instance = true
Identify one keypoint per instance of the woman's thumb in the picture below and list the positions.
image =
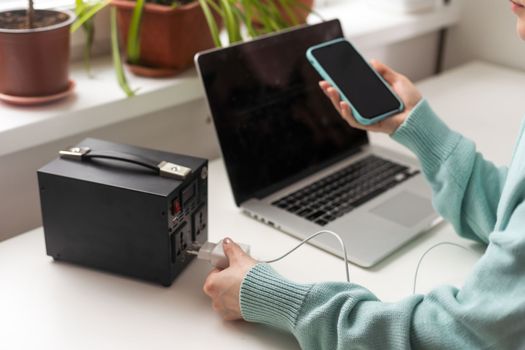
(231, 249)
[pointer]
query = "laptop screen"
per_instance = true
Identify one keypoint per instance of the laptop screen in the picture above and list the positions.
(274, 124)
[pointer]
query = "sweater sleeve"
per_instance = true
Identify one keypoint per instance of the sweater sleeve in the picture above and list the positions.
(466, 187)
(487, 313)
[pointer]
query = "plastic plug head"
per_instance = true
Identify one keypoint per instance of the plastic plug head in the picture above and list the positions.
(214, 253)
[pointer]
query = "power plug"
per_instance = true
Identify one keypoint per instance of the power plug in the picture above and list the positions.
(214, 253)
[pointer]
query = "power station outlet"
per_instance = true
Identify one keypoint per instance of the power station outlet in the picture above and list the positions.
(200, 224)
(181, 240)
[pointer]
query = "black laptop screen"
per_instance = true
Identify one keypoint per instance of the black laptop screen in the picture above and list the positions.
(273, 122)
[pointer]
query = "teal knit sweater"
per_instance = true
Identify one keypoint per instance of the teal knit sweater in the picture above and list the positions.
(483, 203)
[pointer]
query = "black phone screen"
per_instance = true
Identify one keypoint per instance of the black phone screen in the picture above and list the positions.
(356, 79)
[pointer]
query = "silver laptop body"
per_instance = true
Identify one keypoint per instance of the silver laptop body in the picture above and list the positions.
(371, 230)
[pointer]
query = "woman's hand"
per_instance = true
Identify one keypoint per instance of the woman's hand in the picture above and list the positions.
(223, 287)
(403, 87)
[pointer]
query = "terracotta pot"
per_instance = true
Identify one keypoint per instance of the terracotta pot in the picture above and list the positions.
(169, 38)
(35, 62)
(300, 12)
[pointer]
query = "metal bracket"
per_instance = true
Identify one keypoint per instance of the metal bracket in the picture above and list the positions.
(75, 153)
(174, 171)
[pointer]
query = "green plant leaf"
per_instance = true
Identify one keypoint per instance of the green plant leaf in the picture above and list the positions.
(82, 18)
(89, 30)
(275, 15)
(117, 60)
(80, 7)
(287, 7)
(268, 15)
(231, 23)
(134, 33)
(247, 16)
(212, 24)
(258, 8)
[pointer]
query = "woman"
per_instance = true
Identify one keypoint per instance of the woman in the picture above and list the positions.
(483, 203)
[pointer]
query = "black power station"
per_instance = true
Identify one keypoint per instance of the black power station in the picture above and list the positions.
(124, 209)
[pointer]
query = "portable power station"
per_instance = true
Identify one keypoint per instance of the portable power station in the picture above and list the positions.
(124, 209)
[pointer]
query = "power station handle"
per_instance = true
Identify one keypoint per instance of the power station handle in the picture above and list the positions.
(163, 168)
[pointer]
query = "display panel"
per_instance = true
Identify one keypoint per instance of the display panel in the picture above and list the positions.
(274, 123)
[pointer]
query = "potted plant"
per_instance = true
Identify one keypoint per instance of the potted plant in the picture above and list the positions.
(34, 54)
(166, 39)
(161, 36)
(258, 17)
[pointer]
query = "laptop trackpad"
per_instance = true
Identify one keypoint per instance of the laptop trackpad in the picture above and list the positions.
(406, 209)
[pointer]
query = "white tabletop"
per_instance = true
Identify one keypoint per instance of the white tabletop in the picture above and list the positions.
(50, 305)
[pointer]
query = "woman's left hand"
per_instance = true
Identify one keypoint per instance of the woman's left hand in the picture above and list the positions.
(223, 286)
(404, 88)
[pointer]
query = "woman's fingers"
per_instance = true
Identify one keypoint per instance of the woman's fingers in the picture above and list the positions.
(342, 107)
(209, 285)
(335, 98)
(400, 84)
(327, 89)
(346, 112)
(332, 94)
(324, 85)
(385, 71)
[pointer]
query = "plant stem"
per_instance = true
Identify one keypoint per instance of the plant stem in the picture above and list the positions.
(30, 14)
(86, 12)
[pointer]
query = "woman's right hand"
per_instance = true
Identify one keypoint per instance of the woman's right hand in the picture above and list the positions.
(402, 86)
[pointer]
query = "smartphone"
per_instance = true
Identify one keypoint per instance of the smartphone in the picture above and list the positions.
(368, 94)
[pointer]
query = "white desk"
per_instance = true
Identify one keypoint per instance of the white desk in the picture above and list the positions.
(48, 305)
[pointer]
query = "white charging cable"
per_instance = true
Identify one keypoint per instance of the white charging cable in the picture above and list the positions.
(425, 254)
(214, 252)
(343, 247)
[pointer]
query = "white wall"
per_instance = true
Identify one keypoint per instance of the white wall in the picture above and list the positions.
(184, 129)
(487, 31)
(415, 58)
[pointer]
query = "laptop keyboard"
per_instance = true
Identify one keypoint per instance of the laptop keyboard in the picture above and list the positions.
(340, 193)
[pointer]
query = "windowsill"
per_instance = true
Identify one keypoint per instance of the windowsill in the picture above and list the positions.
(368, 27)
(99, 102)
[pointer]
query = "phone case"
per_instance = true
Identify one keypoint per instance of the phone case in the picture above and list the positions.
(362, 120)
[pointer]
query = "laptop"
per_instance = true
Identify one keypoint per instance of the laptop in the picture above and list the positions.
(294, 164)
